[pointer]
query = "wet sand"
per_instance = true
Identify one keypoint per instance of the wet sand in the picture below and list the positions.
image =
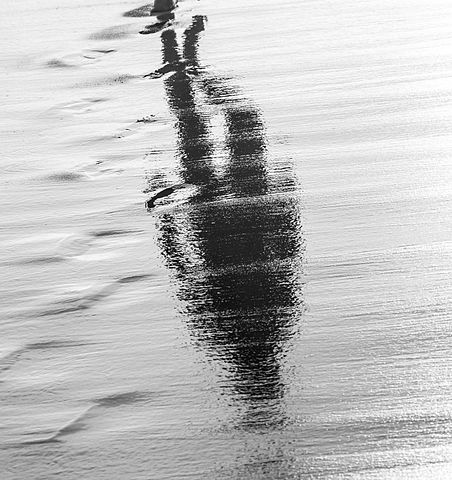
(225, 240)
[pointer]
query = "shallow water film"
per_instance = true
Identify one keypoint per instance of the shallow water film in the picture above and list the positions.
(225, 240)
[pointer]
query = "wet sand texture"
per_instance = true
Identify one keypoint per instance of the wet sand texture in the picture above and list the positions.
(224, 240)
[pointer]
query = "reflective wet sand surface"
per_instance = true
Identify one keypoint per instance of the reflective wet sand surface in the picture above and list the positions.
(225, 240)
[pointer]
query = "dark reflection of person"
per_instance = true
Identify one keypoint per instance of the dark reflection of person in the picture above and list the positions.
(236, 247)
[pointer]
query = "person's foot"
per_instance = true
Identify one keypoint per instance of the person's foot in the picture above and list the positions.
(155, 27)
(163, 21)
(164, 5)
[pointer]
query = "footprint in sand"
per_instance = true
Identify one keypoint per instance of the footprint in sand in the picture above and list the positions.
(108, 165)
(32, 349)
(83, 420)
(79, 59)
(88, 297)
(78, 107)
(150, 123)
(76, 245)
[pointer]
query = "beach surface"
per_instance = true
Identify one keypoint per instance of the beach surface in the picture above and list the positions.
(225, 240)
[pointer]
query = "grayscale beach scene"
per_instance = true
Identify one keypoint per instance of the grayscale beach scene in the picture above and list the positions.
(226, 240)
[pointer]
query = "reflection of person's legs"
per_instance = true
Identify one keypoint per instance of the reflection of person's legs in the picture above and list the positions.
(191, 37)
(170, 51)
(170, 55)
(195, 148)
